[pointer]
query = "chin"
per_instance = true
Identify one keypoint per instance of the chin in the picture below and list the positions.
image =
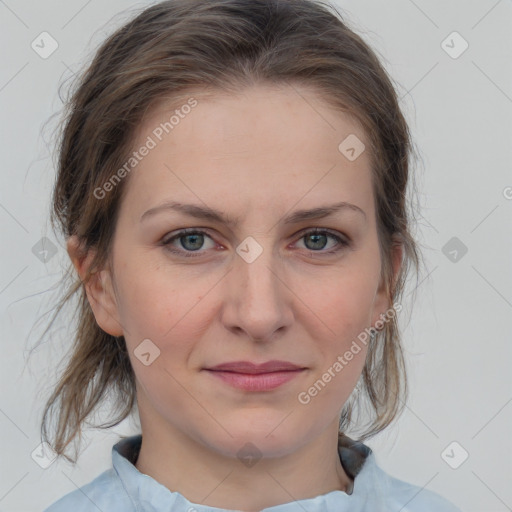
(266, 434)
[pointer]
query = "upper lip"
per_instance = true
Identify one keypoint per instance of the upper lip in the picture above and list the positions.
(248, 367)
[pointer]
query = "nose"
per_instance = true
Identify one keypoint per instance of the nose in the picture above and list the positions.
(258, 301)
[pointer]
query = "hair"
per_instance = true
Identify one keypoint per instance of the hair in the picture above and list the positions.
(166, 52)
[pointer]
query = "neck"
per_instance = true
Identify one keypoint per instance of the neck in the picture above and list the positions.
(204, 476)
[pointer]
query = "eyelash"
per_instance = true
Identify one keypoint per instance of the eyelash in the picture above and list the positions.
(342, 244)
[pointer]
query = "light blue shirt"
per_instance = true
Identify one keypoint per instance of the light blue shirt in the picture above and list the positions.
(123, 488)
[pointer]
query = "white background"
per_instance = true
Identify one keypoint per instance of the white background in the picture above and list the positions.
(458, 341)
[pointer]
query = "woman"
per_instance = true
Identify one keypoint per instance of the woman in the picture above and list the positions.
(232, 186)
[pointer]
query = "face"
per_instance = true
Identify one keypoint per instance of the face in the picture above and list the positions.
(257, 282)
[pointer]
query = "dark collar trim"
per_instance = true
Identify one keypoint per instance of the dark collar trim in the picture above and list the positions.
(353, 454)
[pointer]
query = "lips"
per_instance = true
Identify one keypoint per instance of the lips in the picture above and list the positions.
(251, 368)
(253, 377)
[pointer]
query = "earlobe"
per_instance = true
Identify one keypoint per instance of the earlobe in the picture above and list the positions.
(99, 289)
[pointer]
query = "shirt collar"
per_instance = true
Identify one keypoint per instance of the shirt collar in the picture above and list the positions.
(144, 490)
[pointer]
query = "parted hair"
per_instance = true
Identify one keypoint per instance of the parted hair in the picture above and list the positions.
(164, 52)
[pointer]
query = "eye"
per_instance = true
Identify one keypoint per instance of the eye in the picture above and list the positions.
(315, 240)
(192, 240)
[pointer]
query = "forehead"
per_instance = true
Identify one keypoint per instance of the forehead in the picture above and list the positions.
(262, 145)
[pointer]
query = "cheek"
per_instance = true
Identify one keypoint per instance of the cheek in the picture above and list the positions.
(167, 308)
(342, 305)
(347, 313)
(341, 302)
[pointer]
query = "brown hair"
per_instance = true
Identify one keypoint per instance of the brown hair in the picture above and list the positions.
(165, 52)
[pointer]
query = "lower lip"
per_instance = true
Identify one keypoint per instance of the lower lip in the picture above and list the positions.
(256, 382)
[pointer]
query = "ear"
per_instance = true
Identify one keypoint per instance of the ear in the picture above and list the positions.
(99, 289)
(382, 302)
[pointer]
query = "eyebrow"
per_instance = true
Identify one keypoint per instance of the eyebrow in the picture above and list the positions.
(207, 213)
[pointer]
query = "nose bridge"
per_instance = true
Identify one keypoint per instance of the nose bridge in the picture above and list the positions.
(258, 294)
(255, 268)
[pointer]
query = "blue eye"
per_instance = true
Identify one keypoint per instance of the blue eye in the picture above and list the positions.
(320, 238)
(192, 240)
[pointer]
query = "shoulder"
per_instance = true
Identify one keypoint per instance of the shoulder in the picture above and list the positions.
(407, 497)
(418, 499)
(105, 492)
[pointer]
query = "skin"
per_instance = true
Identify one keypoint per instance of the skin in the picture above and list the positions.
(259, 156)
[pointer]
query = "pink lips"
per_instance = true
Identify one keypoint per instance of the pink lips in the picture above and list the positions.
(256, 377)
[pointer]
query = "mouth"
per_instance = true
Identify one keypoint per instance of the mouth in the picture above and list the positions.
(249, 376)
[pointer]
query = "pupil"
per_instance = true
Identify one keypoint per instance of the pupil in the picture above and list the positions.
(197, 244)
(317, 237)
